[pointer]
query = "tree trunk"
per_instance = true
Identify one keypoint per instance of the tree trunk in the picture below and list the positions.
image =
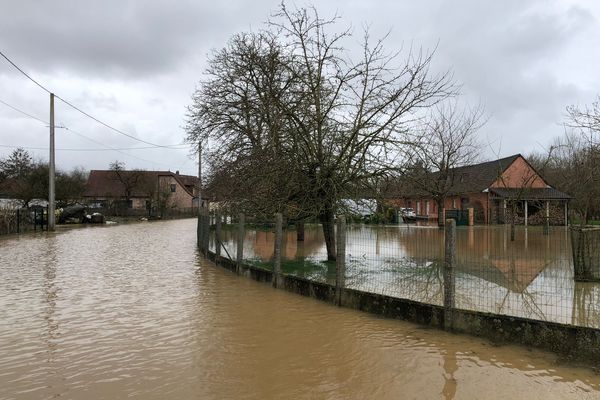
(512, 222)
(327, 220)
(300, 231)
(584, 220)
(440, 207)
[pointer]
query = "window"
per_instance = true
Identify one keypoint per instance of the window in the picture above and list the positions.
(454, 204)
(173, 187)
(427, 207)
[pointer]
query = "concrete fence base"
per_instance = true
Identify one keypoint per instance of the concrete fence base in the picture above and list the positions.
(580, 343)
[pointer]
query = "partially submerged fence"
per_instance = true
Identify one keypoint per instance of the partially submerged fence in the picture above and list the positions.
(472, 279)
(23, 220)
(586, 253)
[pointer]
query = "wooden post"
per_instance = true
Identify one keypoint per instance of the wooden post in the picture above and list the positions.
(300, 231)
(340, 263)
(504, 211)
(449, 271)
(199, 231)
(566, 214)
(240, 243)
(217, 236)
(202, 231)
(276, 277)
(206, 230)
(526, 212)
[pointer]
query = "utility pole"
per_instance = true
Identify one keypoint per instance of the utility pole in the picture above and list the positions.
(51, 193)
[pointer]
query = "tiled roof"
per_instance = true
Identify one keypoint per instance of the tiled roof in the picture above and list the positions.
(478, 177)
(107, 183)
(467, 179)
(530, 193)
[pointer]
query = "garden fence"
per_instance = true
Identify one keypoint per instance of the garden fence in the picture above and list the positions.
(481, 270)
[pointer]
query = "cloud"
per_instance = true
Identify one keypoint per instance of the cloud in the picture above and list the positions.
(114, 38)
(135, 64)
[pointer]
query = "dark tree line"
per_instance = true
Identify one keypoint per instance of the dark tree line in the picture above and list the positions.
(574, 164)
(295, 122)
(26, 179)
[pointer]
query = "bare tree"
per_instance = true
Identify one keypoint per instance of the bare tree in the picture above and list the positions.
(575, 168)
(580, 159)
(130, 180)
(585, 119)
(446, 141)
(301, 122)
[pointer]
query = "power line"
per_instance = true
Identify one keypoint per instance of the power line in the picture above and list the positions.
(112, 148)
(81, 149)
(109, 126)
(24, 113)
(23, 72)
(88, 138)
(79, 109)
(171, 147)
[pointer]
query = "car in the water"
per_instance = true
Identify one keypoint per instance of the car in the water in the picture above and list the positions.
(407, 214)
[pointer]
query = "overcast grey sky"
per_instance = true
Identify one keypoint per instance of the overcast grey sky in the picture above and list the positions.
(135, 64)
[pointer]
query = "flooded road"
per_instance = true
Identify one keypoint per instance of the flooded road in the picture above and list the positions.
(131, 312)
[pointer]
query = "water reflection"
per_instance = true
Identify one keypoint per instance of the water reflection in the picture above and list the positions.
(529, 277)
(133, 312)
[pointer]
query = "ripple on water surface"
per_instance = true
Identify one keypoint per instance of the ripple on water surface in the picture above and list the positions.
(130, 311)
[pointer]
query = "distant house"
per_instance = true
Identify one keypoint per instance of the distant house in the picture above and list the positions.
(141, 190)
(491, 188)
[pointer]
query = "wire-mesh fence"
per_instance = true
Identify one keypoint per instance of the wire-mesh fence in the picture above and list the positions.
(23, 220)
(531, 276)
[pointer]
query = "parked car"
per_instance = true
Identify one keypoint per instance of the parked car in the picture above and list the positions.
(407, 214)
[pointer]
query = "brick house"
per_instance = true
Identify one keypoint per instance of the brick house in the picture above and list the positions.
(491, 188)
(141, 190)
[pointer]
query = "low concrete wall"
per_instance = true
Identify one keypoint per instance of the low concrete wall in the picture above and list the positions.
(574, 342)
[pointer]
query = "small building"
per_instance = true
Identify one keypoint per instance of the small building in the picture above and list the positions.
(141, 190)
(493, 190)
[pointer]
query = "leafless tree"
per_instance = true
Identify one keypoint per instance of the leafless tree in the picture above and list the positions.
(447, 140)
(300, 121)
(581, 158)
(586, 119)
(575, 163)
(575, 168)
(130, 180)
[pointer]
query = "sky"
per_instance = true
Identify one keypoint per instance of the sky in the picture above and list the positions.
(135, 65)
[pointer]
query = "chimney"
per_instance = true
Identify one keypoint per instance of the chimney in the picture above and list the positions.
(177, 172)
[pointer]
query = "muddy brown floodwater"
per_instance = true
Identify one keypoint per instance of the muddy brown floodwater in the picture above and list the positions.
(130, 311)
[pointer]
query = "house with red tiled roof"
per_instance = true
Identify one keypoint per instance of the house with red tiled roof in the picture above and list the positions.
(141, 190)
(489, 188)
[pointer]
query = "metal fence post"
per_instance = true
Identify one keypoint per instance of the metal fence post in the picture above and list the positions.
(449, 273)
(199, 231)
(277, 251)
(206, 232)
(240, 243)
(217, 236)
(340, 261)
